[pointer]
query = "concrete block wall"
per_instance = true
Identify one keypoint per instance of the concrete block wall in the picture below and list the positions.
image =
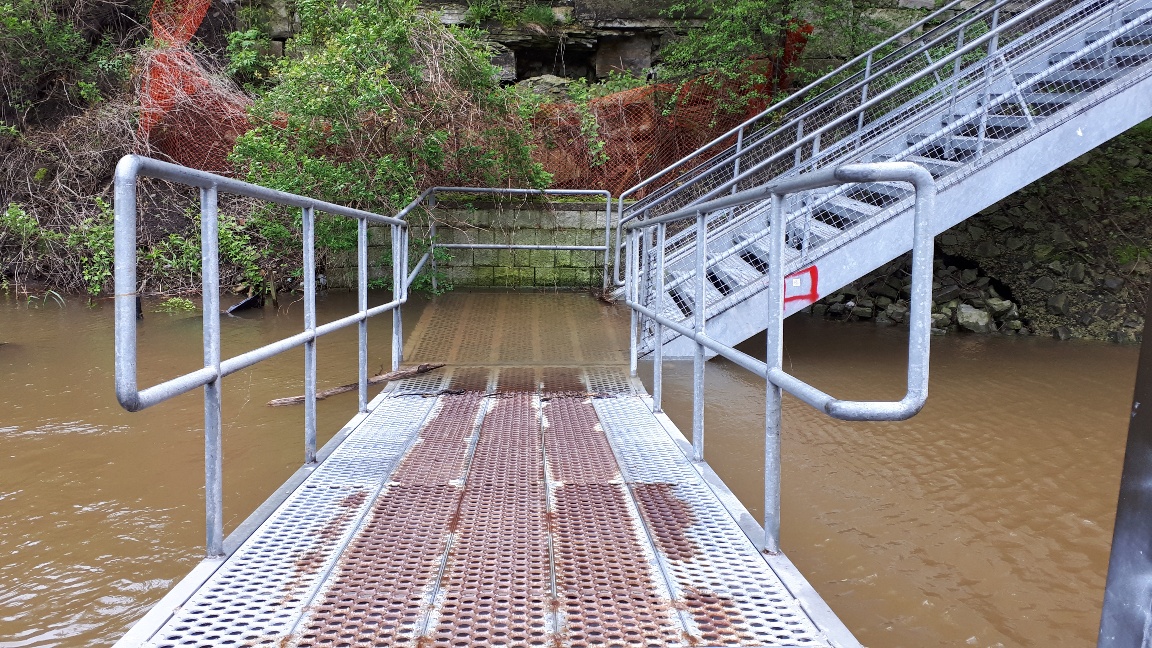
(530, 224)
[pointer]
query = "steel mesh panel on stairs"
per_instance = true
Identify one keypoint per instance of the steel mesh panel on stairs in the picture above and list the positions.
(991, 78)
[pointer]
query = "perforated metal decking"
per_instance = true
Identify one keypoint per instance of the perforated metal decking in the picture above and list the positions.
(528, 506)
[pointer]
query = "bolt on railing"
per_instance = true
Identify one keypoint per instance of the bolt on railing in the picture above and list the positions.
(772, 368)
(210, 186)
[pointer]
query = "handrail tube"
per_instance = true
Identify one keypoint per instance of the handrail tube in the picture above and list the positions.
(169, 389)
(776, 379)
(131, 166)
(416, 271)
(822, 100)
(128, 170)
(939, 134)
(213, 415)
(525, 246)
(809, 137)
(799, 93)
(249, 358)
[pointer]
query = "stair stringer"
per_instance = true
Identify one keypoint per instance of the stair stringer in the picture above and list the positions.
(1048, 151)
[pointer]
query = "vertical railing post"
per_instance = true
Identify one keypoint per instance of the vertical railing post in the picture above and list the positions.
(309, 221)
(362, 305)
(863, 99)
(404, 269)
(607, 243)
(643, 270)
(432, 241)
(799, 136)
(774, 360)
(213, 424)
(736, 161)
(397, 293)
(698, 327)
(631, 261)
(658, 348)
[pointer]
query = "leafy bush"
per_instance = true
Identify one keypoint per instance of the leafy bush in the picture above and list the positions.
(376, 102)
(734, 39)
(93, 238)
(47, 64)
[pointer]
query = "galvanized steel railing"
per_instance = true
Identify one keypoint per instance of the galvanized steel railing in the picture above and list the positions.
(209, 377)
(428, 197)
(984, 81)
(772, 369)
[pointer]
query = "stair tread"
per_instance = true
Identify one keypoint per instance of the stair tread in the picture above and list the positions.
(759, 243)
(929, 161)
(1100, 76)
(735, 269)
(849, 208)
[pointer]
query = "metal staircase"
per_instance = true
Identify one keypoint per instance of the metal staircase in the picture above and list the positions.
(987, 96)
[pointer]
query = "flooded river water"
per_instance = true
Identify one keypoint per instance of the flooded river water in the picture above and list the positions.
(983, 521)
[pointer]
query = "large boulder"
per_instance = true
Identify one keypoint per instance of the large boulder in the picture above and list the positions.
(974, 319)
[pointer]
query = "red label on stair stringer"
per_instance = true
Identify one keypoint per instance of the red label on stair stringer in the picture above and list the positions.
(802, 286)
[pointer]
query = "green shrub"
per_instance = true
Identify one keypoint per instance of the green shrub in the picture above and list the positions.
(376, 102)
(175, 305)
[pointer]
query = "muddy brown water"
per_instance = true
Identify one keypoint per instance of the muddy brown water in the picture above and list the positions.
(984, 521)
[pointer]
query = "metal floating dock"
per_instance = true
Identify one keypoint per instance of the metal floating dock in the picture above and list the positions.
(501, 505)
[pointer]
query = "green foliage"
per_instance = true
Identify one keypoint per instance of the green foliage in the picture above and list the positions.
(617, 81)
(174, 257)
(423, 281)
(236, 248)
(500, 11)
(581, 94)
(46, 62)
(249, 61)
(20, 224)
(94, 240)
(538, 14)
(376, 102)
(23, 233)
(175, 305)
(734, 41)
(1130, 253)
(40, 53)
(480, 11)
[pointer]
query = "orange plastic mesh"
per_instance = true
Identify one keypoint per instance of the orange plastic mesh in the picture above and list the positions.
(647, 129)
(184, 112)
(195, 118)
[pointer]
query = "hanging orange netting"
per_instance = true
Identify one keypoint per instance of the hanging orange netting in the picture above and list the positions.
(194, 117)
(188, 114)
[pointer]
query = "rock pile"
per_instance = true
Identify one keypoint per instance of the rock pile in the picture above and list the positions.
(961, 300)
(1067, 284)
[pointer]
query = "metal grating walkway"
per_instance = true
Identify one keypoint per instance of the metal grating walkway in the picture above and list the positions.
(517, 503)
(503, 518)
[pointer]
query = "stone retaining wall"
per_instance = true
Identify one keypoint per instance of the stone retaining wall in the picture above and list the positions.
(487, 223)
